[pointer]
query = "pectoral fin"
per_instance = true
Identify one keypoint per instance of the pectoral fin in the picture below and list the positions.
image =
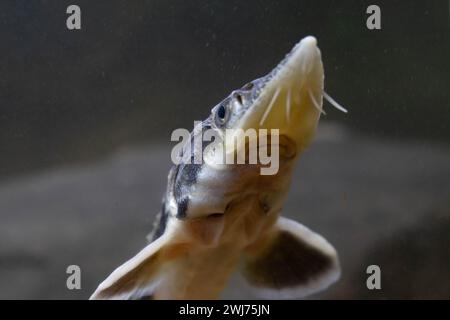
(141, 275)
(290, 262)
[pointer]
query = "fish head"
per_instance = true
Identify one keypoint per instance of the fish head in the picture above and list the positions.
(288, 99)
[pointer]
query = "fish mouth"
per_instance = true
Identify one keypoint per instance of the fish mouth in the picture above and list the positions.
(287, 148)
(291, 98)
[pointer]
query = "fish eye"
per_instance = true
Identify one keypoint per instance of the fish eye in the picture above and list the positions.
(221, 115)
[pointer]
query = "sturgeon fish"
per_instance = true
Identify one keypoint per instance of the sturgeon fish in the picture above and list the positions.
(217, 219)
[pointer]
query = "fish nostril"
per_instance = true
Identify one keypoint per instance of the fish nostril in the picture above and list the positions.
(248, 86)
(239, 98)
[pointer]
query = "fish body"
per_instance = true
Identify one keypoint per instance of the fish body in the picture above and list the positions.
(219, 218)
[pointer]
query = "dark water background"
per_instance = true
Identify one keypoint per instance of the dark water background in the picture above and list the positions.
(86, 117)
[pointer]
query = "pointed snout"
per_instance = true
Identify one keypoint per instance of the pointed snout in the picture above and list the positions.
(294, 95)
(309, 42)
(300, 64)
(291, 100)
